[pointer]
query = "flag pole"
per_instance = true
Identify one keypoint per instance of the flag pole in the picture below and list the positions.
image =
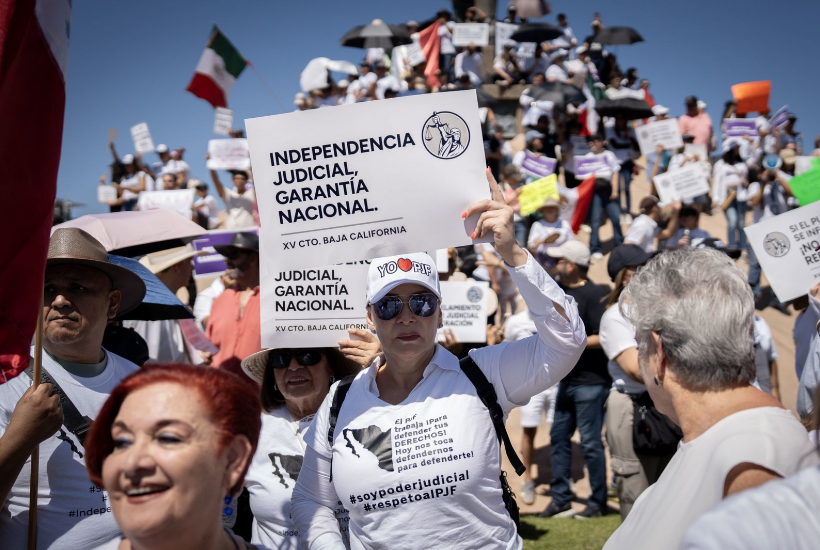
(270, 90)
(35, 455)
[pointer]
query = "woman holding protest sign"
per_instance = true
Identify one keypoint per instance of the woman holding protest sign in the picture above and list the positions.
(293, 382)
(408, 445)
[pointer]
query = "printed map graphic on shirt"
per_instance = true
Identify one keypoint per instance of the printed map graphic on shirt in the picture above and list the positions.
(291, 464)
(376, 441)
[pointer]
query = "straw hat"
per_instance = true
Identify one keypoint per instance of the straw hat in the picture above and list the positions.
(70, 245)
(156, 262)
(254, 365)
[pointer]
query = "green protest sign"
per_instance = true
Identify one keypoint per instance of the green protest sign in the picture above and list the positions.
(806, 186)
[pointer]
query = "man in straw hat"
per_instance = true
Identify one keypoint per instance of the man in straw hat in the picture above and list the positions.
(166, 342)
(234, 325)
(82, 291)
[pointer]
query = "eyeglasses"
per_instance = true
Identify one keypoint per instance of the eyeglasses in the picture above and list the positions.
(422, 305)
(280, 359)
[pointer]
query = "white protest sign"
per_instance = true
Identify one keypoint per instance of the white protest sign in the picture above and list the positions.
(464, 310)
(802, 164)
(106, 193)
(178, 200)
(223, 121)
(698, 151)
(685, 183)
(142, 138)
(228, 154)
(465, 34)
(503, 32)
(442, 258)
(788, 249)
(659, 132)
(415, 55)
(367, 180)
(313, 307)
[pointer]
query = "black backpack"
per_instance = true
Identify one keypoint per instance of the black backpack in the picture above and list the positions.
(486, 392)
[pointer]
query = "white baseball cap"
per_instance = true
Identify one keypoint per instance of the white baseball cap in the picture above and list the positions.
(658, 110)
(580, 50)
(161, 148)
(574, 251)
(385, 274)
(702, 105)
(343, 83)
(127, 159)
(560, 52)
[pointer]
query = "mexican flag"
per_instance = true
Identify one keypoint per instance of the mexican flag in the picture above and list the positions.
(217, 70)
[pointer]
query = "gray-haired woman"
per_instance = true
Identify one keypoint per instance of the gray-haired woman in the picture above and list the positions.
(693, 313)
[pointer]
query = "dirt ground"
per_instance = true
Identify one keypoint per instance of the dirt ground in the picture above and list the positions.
(781, 326)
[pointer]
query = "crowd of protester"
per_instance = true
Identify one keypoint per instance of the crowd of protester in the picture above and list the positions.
(667, 358)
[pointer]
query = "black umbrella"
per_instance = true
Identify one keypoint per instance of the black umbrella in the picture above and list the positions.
(560, 93)
(376, 35)
(615, 36)
(536, 32)
(632, 108)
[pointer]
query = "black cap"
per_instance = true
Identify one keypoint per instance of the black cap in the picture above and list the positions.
(242, 240)
(691, 100)
(792, 116)
(626, 255)
(594, 137)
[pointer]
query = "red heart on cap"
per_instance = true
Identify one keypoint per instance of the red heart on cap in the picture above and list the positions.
(404, 264)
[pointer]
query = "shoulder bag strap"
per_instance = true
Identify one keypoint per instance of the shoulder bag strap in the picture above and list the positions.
(486, 392)
(75, 422)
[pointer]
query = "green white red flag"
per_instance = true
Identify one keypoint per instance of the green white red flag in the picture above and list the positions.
(217, 70)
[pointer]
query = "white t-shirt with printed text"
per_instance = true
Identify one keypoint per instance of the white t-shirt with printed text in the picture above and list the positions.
(71, 512)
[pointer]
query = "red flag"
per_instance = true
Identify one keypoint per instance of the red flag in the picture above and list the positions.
(33, 57)
(584, 199)
(431, 47)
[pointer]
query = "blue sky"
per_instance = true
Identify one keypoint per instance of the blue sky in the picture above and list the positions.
(130, 62)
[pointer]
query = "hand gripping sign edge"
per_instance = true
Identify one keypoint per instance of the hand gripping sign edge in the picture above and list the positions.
(452, 130)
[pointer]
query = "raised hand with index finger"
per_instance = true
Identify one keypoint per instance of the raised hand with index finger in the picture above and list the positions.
(497, 218)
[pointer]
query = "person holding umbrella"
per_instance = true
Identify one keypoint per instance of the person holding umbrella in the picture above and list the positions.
(82, 291)
(412, 450)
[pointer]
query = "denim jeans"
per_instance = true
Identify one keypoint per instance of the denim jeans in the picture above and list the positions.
(754, 278)
(624, 179)
(735, 219)
(613, 212)
(581, 407)
(521, 233)
(129, 205)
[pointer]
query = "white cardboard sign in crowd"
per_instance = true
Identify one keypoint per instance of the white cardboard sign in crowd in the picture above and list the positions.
(228, 154)
(312, 307)
(178, 200)
(788, 249)
(686, 183)
(659, 132)
(223, 121)
(464, 310)
(142, 138)
(367, 180)
(465, 34)
(106, 193)
(503, 32)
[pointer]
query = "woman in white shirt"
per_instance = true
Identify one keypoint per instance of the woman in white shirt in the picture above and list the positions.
(133, 182)
(294, 382)
(730, 190)
(414, 455)
(548, 232)
(693, 314)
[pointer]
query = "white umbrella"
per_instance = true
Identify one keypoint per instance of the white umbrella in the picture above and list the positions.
(137, 233)
(315, 74)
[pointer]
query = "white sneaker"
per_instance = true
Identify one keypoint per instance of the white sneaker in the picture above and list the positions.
(628, 218)
(597, 256)
(528, 492)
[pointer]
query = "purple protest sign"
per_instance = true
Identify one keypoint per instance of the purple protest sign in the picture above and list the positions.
(738, 127)
(780, 118)
(538, 167)
(211, 263)
(587, 165)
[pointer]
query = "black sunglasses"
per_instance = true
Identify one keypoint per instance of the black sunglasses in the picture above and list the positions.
(280, 359)
(422, 305)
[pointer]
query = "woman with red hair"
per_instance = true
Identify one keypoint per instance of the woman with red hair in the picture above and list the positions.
(171, 443)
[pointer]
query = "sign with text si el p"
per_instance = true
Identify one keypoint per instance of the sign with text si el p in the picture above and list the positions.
(464, 310)
(686, 183)
(659, 132)
(589, 164)
(537, 166)
(223, 121)
(228, 154)
(313, 307)
(367, 180)
(178, 200)
(142, 138)
(739, 127)
(465, 34)
(213, 262)
(788, 249)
